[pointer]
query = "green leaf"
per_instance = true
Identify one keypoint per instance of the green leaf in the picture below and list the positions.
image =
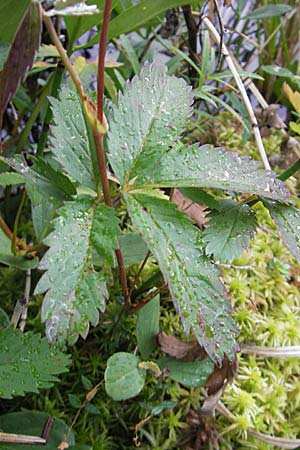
(4, 319)
(147, 327)
(130, 53)
(229, 230)
(137, 16)
(47, 189)
(265, 12)
(75, 292)
(74, 401)
(193, 281)
(91, 409)
(11, 15)
(133, 248)
(32, 423)
(278, 71)
(7, 257)
(9, 178)
(153, 111)
(287, 221)
(57, 178)
(20, 262)
(69, 143)
(87, 384)
(191, 374)
(123, 378)
(27, 363)
(201, 197)
(21, 53)
(209, 168)
(77, 26)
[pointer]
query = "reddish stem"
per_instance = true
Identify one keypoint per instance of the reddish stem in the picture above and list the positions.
(101, 60)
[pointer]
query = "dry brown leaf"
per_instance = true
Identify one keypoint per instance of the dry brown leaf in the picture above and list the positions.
(195, 211)
(187, 351)
(21, 55)
(269, 118)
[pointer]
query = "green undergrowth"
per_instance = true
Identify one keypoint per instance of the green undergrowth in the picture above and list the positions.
(264, 290)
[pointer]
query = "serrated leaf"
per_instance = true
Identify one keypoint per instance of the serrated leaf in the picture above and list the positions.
(123, 378)
(287, 221)
(58, 179)
(27, 363)
(229, 230)
(147, 327)
(21, 54)
(46, 188)
(189, 373)
(193, 281)
(153, 111)
(9, 178)
(209, 168)
(70, 142)
(74, 291)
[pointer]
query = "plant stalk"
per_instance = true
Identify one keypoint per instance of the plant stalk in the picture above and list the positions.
(242, 90)
(98, 138)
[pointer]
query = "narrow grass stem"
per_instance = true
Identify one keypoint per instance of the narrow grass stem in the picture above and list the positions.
(279, 352)
(242, 90)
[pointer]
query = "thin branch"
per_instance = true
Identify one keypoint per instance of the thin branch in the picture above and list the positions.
(101, 60)
(16, 224)
(98, 138)
(137, 276)
(242, 90)
(278, 352)
(63, 54)
(147, 299)
(23, 317)
(5, 228)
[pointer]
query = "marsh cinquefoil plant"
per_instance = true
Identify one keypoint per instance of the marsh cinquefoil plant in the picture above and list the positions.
(75, 214)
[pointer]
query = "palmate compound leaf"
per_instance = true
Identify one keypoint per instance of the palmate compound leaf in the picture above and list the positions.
(229, 230)
(287, 221)
(74, 290)
(70, 142)
(145, 152)
(194, 283)
(150, 116)
(27, 363)
(204, 167)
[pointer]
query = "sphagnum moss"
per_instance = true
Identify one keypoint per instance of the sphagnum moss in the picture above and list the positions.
(266, 392)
